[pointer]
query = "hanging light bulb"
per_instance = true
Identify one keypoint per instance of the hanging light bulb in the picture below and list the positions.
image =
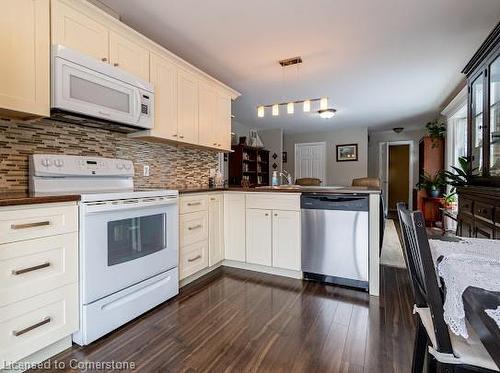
(260, 111)
(290, 108)
(307, 106)
(323, 103)
(276, 110)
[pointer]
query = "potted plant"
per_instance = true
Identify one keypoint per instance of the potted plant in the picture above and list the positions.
(436, 131)
(432, 184)
(461, 175)
(450, 198)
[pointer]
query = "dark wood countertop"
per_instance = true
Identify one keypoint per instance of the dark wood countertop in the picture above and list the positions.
(324, 190)
(24, 198)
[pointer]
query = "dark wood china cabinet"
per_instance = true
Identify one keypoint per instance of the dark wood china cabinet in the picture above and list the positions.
(479, 203)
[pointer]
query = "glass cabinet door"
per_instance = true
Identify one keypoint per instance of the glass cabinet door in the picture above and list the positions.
(477, 93)
(495, 117)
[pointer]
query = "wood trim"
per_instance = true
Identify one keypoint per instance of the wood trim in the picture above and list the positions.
(484, 49)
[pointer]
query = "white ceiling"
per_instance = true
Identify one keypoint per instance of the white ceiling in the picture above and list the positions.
(381, 63)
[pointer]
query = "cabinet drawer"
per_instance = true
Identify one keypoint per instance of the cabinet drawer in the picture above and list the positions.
(36, 221)
(193, 258)
(31, 267)
(193, 227)
(484, 211)
(465, 206)
(193, 203)
(32, 324)
(273, 201)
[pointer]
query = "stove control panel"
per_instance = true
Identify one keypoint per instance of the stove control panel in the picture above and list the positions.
(70, 165)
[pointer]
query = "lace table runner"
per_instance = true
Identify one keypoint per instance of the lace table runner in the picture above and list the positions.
(459, 271)
(473, 246)
(495, 315)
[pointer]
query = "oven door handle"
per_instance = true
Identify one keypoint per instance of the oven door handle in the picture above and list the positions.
(99, 207)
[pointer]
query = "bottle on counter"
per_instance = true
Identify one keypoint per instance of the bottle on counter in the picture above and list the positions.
(275, 179)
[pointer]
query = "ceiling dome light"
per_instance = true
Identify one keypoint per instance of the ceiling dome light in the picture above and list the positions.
(290, 108)
(276, 110)
(260, 111)
(327, 113)
(307, 106)
(323, 104)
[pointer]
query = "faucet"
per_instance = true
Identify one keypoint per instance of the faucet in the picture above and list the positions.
(285, 174)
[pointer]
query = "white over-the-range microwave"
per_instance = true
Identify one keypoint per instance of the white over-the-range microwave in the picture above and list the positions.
(86, 90)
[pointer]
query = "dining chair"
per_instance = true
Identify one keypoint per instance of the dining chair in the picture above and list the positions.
(450, 353)
(370, 182)
(308, 181)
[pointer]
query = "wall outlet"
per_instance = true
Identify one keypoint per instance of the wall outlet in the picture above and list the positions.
(145, 170)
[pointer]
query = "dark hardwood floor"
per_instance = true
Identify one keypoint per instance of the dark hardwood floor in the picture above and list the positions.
(242, 321)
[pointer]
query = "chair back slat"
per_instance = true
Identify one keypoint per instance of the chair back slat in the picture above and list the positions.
(423, 273)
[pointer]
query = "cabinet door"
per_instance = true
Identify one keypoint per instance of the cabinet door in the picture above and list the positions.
(164, 78)
(223, 124)
(286, 239)
(465, 227)
(187, 104)
(215, 229)
(129, 56)
(234, 223)
(208, 132)
(259, 240)
(483, 230)
(24, 64)
(75, 30)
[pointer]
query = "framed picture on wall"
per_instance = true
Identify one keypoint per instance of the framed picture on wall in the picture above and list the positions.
(285, 157)
(347, 152)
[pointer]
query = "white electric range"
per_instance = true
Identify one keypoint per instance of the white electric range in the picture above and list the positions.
(128, 238)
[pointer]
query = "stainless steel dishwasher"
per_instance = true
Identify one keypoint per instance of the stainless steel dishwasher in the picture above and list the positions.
(335, 238)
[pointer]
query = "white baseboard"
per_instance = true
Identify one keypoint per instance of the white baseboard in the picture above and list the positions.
(197, 275)
(264, 269)
(39, 356)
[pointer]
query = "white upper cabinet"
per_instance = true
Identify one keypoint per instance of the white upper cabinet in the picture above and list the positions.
(164, 78)
(128, 55)
(223, 122)
(74, 29)
(286, 239)
(25, 58)
(187, 106)
(207, 104)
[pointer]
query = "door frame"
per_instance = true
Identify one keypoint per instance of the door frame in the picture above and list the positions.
(323, 144)
(385, 166)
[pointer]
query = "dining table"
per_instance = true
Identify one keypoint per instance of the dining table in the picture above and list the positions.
(469, 272)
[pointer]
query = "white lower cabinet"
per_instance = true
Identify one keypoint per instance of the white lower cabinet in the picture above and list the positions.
(215, 229)
(259, 236)
(234, 227)
(39, 278)
(193, 258)
(286, 239)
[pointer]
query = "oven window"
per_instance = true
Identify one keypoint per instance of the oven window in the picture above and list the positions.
(129, 239)
(88, 91)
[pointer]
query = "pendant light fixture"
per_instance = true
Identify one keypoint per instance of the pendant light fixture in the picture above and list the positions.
(276, 110)
(307, 106)
(260, 111)
(327, 113)
(323, 103)
(290, 108)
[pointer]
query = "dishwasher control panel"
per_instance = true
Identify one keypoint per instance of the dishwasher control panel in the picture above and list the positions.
(334, 202)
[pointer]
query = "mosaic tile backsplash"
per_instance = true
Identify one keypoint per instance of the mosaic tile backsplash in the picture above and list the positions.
(170, 166)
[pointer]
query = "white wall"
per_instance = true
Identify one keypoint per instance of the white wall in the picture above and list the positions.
(273, 141)
(384, 136)
(239, 129)
(337, 173)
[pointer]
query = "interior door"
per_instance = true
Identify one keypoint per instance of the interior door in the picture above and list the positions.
(258, 236)
(310, 161)
(399, 175)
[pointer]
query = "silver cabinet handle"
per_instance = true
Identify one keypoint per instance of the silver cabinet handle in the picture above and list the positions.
(181, 136)
(115, 64)
(275, 214)
(30, 225)
(104, 59)
(193, 203)
(195, 227)
(17, 272)
(195, 258)
(17, 333)
(266, 214)
(174, 135)
(213, 199)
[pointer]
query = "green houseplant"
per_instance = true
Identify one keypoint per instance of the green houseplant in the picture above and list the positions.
(436, 131)
(432, 184)
(462, 175)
